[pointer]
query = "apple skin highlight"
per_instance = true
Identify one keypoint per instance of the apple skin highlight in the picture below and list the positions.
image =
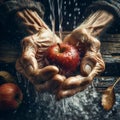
(66, 57)
(10, 96)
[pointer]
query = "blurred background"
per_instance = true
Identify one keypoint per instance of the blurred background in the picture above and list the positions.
(72, 14)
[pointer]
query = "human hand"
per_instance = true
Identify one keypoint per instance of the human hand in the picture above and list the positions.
(91, 63)
(84, 37)
(31, 64)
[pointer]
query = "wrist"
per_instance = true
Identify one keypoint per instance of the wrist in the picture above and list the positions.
(97, 22)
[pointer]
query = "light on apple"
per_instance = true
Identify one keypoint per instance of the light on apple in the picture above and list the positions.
(64, 56)
(10, 96)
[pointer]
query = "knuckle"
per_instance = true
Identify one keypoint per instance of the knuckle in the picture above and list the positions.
(25, 58)
(26, 40)
(95, 43)
(70, 82)
(29, 40)
(60, 95)
(80, 34)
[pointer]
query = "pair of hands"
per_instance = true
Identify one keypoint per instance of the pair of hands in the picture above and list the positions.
(31, 64)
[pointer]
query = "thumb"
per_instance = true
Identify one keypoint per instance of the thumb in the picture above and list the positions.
(87, 64)
(45, 74)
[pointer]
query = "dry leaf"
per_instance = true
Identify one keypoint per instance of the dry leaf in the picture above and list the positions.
(108, 98)
(6, 77)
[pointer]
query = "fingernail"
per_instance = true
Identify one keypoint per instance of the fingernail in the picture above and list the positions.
(88, 68)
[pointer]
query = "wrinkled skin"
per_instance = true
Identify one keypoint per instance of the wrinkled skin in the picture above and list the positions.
(91, 64)
(31, 63)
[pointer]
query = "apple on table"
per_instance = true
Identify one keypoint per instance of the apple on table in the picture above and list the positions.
(10, 96)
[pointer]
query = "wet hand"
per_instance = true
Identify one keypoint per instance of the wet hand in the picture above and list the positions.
(31, 64)
(91, 63)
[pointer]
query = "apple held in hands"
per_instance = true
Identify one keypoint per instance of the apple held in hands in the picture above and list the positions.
(64, 56)
(10, 96)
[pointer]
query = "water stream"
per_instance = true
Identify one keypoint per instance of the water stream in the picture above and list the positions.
(85, 105)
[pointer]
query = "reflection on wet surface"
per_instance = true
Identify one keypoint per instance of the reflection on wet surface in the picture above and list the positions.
(85, 105)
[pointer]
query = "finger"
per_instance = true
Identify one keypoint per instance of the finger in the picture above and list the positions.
(39, 20)
(45, 74)
(73, 85)
(51, 85)
(21, 16)
(99, 67)
(57, 81)
(74, 82)
(88, 62)
(92, 64)
(31, 28)
(29, 18)
(70, 92)
(36, 17)
(94, 44)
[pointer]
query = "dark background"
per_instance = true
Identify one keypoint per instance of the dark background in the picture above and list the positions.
(73, 12)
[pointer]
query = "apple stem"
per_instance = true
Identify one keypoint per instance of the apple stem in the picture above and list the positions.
(59, 45)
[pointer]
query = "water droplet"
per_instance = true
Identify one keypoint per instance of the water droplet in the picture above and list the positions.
(74, 27)
(65, 12)
(68, 23)
(65, 2)
(69, 2)
(76, 4)
(79, 13)
(70, 14)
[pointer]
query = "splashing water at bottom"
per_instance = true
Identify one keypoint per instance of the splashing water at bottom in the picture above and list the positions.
(79, 106)
(84, 105)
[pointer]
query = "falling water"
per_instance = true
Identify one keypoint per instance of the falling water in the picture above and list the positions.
(59, 2)
(82, 106)
(43, 106)
(52, 16)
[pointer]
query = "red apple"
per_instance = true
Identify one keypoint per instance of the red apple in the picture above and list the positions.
(10, 96)
(65, 56)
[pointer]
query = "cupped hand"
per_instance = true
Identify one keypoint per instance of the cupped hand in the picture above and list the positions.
(91, 63)
(31, 64)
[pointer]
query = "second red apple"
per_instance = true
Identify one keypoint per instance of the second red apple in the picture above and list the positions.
(10, 96)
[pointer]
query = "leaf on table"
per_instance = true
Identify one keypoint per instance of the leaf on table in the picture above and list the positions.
(108, 98)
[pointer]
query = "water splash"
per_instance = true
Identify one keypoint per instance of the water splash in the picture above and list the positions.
(60, 16)
(52, 16)
(82, 106)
